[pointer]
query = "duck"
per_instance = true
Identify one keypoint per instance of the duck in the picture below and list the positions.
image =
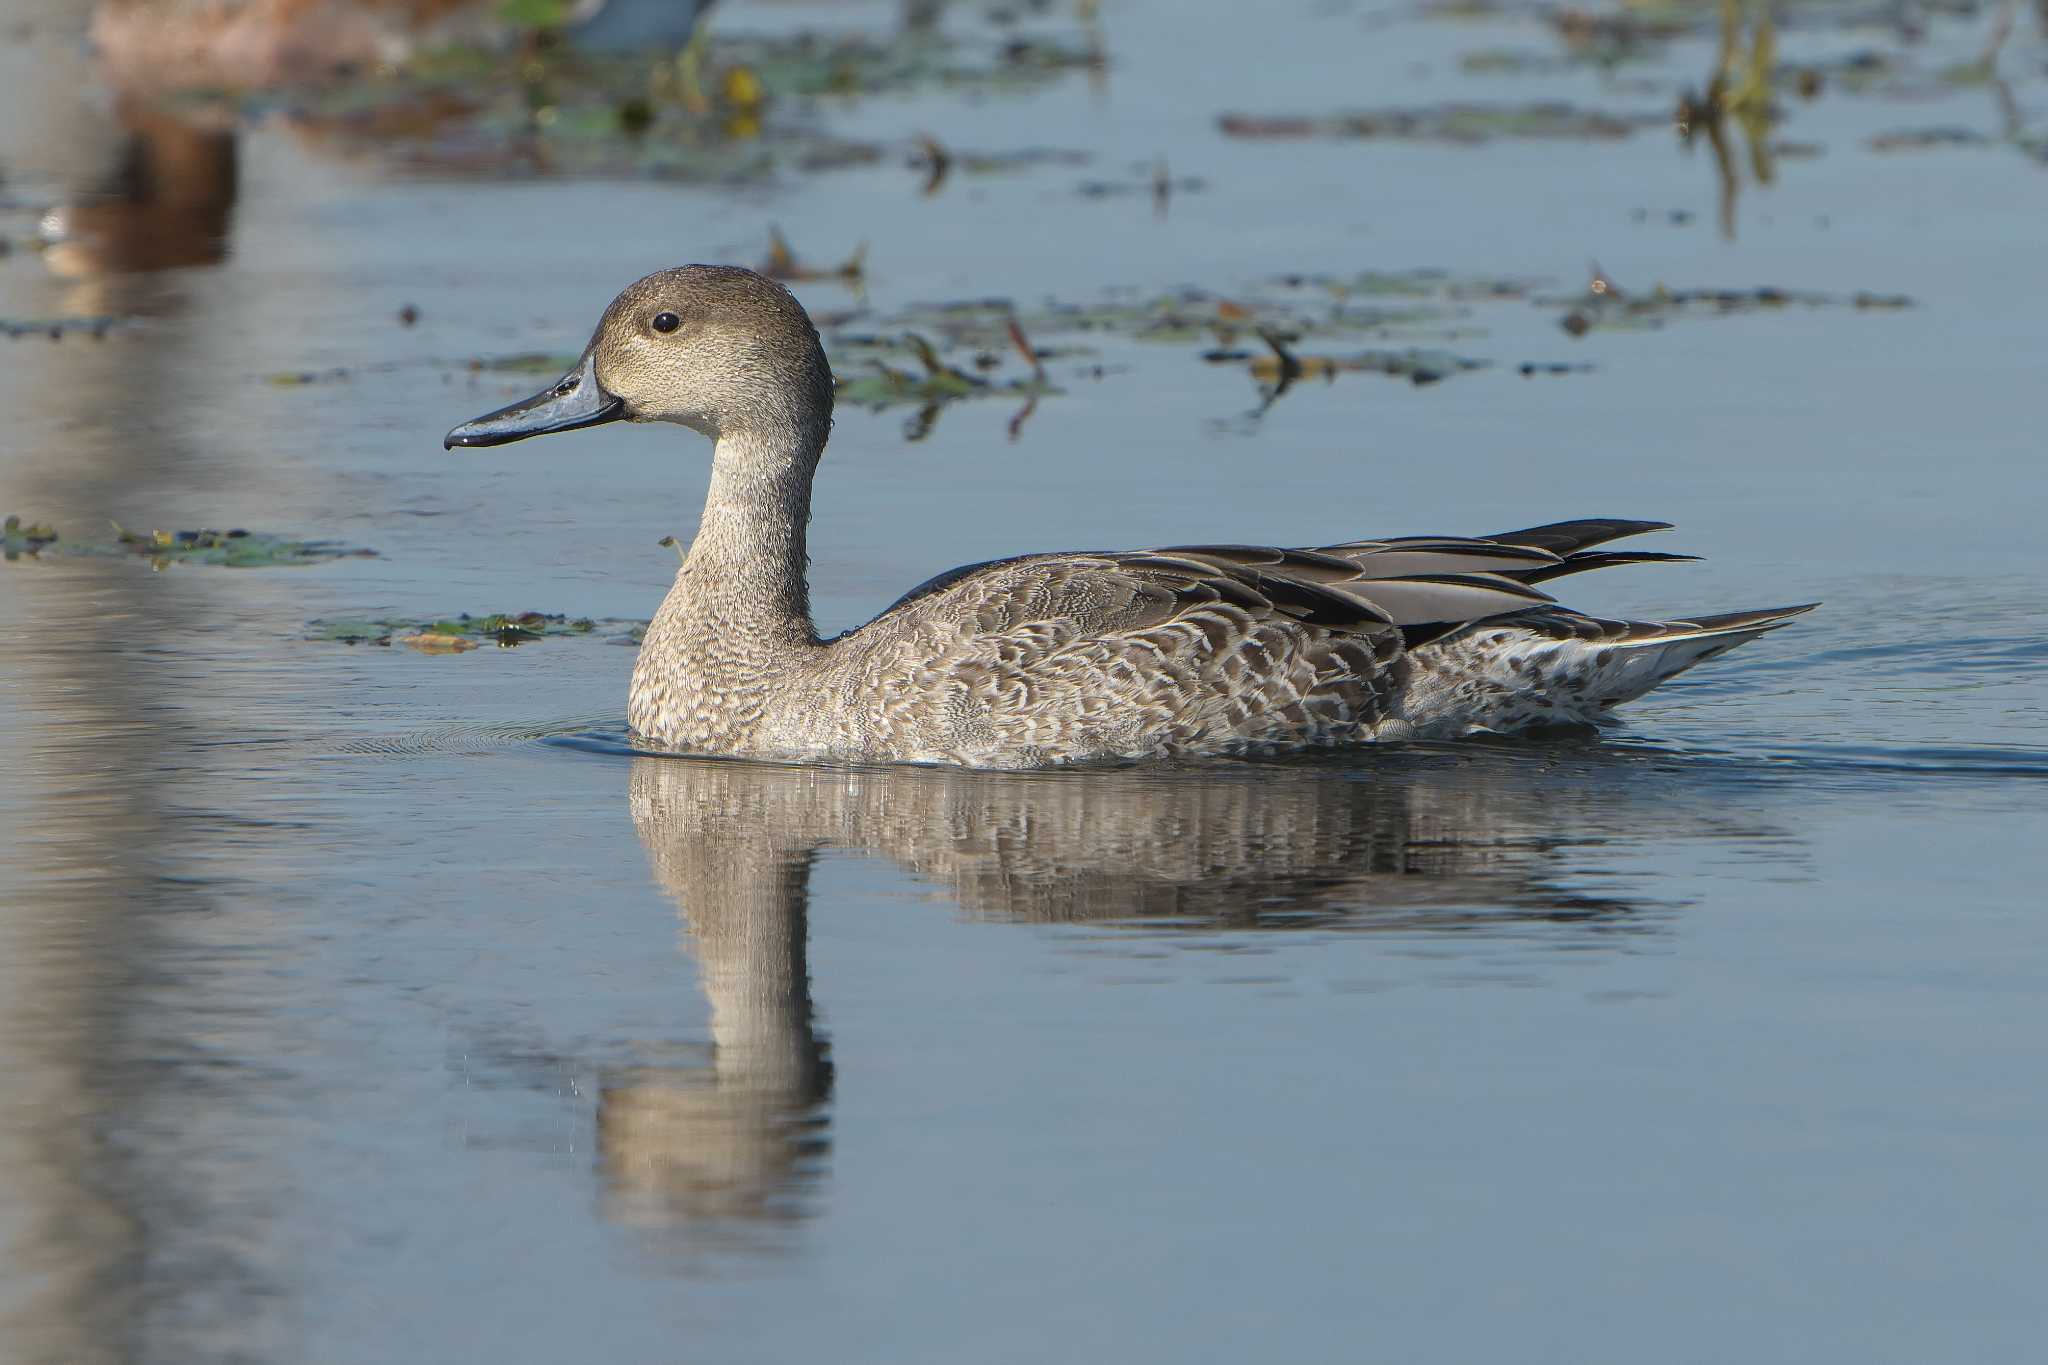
(1188, 652)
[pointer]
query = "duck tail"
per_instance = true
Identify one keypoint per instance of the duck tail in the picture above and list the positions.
(1652, 652)
(1550, 666)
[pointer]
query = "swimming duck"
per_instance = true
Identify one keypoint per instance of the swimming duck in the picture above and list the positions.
(1071, 657)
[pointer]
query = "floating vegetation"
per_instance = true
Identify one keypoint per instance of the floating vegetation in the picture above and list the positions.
(851, 65)
(56, 329)
(1638, 27)
(2032, 145)
(1324, 305)
(1515, 62)
(1155, 181)
(519, 364)
(236, 549)
(728, 108)
(1738, 92)
(1411, 284)
(18, 538)
(1176, 317)
(455, 634)
(1926, 139)
(1453, 123)
(292, 379)
(782, 264)
(937, 384)
(938, 163)
(1749, 89)
(896, 359)
(1280, 367)
(1607, 307)
(1608, 39)
(1281, 330)
(525, 363)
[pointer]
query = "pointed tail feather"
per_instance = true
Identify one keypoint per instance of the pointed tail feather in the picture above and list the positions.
(1551, 666)
(1652, 652)
(1768, 619)
(1598, 559)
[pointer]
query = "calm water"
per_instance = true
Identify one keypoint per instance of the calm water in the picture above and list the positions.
(358, 1004)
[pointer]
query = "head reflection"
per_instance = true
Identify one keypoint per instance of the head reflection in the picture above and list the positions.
(1472, 844)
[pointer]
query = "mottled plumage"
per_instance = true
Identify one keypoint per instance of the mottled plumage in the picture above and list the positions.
(1073, 657)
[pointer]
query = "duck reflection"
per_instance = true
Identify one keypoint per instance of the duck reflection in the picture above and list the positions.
(165, 201)
(1474, 843)
(739, 1139)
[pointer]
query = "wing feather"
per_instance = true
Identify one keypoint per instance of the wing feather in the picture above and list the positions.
(1570, 537)
(1423, 584)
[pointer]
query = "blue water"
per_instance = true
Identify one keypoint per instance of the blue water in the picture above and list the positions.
(359, 1004)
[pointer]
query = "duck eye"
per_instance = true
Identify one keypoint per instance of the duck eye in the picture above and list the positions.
(666, 322)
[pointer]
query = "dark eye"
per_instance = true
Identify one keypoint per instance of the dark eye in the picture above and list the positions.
(666, 322)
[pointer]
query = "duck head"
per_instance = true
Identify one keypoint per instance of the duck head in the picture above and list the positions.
(717, 349)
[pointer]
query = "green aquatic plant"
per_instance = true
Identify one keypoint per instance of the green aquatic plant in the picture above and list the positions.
(236, 549)
(18, 538)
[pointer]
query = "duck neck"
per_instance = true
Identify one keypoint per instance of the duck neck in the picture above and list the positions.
(746, 569)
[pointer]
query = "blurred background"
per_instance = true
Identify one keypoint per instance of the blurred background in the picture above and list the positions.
(364, 996)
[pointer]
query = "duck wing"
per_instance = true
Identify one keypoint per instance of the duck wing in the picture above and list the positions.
(1535, 555)
(1404, 581)
(1196, 649)
(1105, 592)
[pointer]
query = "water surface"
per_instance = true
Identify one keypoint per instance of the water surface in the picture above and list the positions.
(360, 1004)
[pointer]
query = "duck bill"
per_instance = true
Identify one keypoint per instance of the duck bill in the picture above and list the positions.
(575, 400)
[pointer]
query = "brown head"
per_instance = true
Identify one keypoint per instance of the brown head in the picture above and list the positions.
(718, 349)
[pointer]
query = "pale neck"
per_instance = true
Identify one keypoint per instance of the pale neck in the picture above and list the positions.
(750, 553)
